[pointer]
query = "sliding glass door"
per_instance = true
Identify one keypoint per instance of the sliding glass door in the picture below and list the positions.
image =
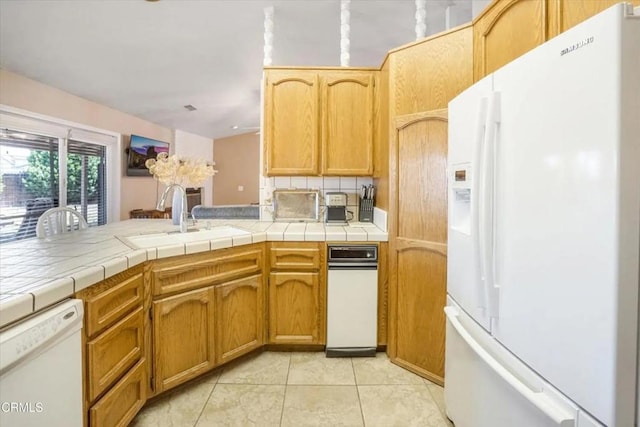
(39, 172)
(86, 184)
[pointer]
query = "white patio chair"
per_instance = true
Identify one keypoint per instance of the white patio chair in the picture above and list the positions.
(58, 221)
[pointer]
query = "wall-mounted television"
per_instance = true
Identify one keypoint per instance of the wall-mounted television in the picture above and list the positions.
(140, 150)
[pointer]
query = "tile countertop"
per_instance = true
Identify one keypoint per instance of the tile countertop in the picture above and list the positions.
(35, 273)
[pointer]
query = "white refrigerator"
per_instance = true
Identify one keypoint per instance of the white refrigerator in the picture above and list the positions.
(544, 234)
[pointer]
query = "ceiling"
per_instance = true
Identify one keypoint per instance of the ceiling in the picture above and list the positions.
(150, 59)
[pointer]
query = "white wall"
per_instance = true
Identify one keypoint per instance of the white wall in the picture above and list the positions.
(197, 147)
(19, 92)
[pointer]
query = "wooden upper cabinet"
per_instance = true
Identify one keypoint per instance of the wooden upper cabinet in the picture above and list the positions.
(427, 75)
(564, 14)
(319, 121)
(510, 28)
(506, 30)
(347, 123)
(291, 122)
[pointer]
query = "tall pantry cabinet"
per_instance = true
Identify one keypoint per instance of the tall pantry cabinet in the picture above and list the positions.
(422, 79)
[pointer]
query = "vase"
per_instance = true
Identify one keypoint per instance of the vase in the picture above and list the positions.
(176, 206)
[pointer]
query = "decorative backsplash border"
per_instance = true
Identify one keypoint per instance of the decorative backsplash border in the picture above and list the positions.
(346, 184)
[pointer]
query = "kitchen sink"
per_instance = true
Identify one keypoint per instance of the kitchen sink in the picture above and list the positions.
(143, 241)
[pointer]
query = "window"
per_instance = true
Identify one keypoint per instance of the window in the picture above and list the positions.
(86, 184)
(50, 165)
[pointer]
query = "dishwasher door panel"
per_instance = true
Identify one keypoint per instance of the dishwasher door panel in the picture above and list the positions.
(41, 369)
(352, 308)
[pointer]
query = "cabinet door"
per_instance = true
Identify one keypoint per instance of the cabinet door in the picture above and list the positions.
(291, 122)
(296, 315)
(347, 123)
(239, 317)
(183, 334)
(418, 243)
(506, 30)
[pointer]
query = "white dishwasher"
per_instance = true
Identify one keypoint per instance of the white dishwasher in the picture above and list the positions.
(41, 369)
(352, 300)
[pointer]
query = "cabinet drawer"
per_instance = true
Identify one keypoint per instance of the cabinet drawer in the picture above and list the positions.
(105, 303)
(295, 256)
(113, 352)
(179, 275)
(121, 404)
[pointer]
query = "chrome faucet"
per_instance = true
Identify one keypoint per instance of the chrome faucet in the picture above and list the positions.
(184, 213)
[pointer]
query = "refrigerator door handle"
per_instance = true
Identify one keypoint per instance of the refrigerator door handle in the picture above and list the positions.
(488, 216)
(533, 394)
(477, 205)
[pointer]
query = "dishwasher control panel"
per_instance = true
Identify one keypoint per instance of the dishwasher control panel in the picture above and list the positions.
(353, 254)
(18, 341)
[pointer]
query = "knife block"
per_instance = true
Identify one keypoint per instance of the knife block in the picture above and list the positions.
(365, 211)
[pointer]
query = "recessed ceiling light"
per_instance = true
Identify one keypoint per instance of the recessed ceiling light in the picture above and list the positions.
(189, 106)
(235, 127)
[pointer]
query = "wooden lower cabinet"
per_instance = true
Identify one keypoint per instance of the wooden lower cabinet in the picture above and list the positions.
(113, 352)
(297, 293)
(179, 274)
(295, 308)
(121, 404)
(239, 317)
(183, 337)
(114, 349)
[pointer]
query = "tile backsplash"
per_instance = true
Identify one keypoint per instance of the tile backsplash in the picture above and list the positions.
(328, 184)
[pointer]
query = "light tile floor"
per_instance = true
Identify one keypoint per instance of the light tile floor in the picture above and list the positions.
(301, 389)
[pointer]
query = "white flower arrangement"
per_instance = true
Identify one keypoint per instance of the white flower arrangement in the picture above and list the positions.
(177, 170)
